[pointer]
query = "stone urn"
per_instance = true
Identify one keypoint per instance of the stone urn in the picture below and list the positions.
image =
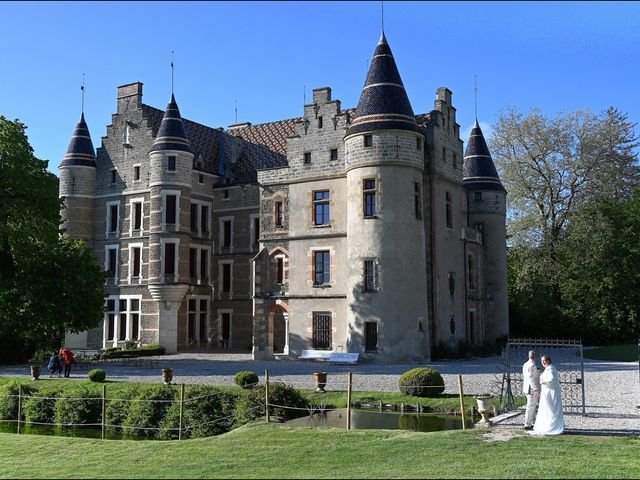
(321, 381)
(35, 372)
(167, 375)
(484, 407)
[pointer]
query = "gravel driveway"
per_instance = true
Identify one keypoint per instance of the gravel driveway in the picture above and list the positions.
(612, 388)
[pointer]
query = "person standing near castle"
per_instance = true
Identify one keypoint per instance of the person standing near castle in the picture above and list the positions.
(531, 388)
(68, 360)
(550, 420)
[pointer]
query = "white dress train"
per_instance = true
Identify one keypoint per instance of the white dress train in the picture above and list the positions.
(550, 419)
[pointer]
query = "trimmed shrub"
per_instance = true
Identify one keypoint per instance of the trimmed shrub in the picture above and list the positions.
(41, 406)
(78, 406)
(97, 375)
(208, 411)
(9, 399)
(421, 382)
(146, 351)
(117, 409)
(251, 406)
(246, 378)
(148, 409)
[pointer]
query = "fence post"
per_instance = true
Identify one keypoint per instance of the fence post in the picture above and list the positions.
(461, 401)
(181, 412)
(266, 394)
(104, 408)
(349, 401)
(19, 406)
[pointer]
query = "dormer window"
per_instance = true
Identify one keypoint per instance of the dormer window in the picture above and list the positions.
(171, 163)
(368, 140)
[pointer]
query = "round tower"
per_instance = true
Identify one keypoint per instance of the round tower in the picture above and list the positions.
(78, 184)
(170, 167)
(486, 198)
(387, 285)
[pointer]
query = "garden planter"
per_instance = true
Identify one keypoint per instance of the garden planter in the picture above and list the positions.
(167, 375)
(484, 407)
(321, 380)
(35, 372)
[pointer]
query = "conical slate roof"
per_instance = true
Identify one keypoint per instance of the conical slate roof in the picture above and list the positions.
(383, 102)
(171, 134)
(80, 151)
(478, 171)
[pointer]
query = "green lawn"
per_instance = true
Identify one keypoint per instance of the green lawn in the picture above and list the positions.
(614, 353)
(275, 451)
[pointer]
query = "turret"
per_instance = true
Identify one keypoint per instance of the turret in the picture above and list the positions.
(486, 199)
(78, 183)
(386, 240)
(170, 166)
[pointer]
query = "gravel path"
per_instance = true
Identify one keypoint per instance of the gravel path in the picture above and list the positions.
(612, 388)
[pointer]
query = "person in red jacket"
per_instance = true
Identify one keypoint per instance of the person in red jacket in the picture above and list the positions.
(67, 356)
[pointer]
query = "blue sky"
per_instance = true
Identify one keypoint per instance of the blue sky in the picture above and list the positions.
(557, 56)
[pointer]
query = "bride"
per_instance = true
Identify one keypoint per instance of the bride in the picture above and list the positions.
(550, 419)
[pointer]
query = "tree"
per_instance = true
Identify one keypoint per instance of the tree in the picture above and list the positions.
(49, 283)
(552, 166)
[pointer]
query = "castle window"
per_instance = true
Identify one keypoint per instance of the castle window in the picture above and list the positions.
(193, 264)
(278, 214)
(370, 275)
(279, 269)
(170, 209)
(135, 261)
(170, 258)
(111, 264)
(225, 195)
(322, 267)
(417, 200)
(126, 138)
(171, 163)
(113, 176)
(444, 154)
(478, 196)
(226, 233)
(197, 319)
(455, 161)
(256, 231)
(371, 336)
(226, 277)
(369, 197)
(307, 157)
(194, 217)
(472, 283)
(321, 339)
(204, 219)
(448, 210)
(137, 216)
(113, 214)
(320, 122)
(452, 326)
(321, 207)
(334, 154)
(368, 140)
(419, 143)
(204, 265)
(452, 283)
(200, 179)
(136, 173)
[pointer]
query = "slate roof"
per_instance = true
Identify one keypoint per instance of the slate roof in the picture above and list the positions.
(383, 103)
(171, 134)
(479, 171)
(80, 151)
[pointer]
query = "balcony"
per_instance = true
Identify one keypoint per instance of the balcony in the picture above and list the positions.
(471, 235)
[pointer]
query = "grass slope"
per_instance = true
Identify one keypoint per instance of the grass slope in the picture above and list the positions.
(614, 353)
(276, 451)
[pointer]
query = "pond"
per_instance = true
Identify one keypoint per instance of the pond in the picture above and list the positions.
(84, 432)
(369, 419)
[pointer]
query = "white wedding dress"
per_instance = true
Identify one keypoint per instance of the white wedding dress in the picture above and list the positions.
(550, 419)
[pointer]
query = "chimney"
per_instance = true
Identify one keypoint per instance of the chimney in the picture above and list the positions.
(129, 96)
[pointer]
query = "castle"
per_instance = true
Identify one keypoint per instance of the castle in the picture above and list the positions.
(363, 230)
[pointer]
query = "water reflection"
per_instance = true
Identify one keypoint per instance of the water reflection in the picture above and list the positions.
(367, 419)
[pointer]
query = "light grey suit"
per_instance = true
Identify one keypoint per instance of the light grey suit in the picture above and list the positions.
(530, 384)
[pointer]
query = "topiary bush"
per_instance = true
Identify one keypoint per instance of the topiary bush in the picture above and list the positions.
(78, 406)
(9, 399)
(421, 382)
(246, 379)
(208, 411)
(251, 405)
(148, 409)
(41, 405)
(97, 375)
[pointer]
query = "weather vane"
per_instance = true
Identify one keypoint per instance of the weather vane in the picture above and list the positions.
(172, 69)
(475, 95)
(82, 89)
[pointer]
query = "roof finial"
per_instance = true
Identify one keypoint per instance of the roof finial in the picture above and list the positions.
(82, 88)
(382, 8)
(172, 69)
(475, 96)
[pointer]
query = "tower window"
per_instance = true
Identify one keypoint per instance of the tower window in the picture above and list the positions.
(307, 157)
(137, 216)
(170, 209)
(417, 200)
(370, 275)
(171, 164)
(371, 336)
(256, 231)
(452, 283)
(334, 154)
(444, 154)
(280, 270)
(225, 195)
(200, 179)
(136, 173)
(321, 208)
(472, 283)
(369, 197)
(320, 122)
(226, 277)
(448, 210)
(169, 258)
(279, 214)
(368, 140)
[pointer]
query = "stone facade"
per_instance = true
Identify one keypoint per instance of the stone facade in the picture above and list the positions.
(296, 234)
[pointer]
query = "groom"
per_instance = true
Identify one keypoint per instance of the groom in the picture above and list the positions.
(531, 388)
